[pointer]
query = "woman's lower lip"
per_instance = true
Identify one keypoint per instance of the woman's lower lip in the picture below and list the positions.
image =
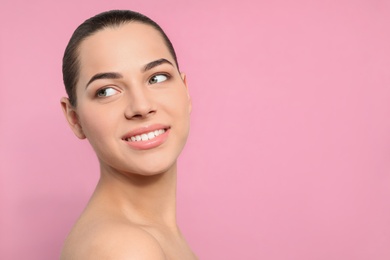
(149, 144)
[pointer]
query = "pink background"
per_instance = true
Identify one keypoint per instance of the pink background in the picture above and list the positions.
(289, 152)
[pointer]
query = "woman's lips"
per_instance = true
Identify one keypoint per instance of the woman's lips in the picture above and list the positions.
(147, 137)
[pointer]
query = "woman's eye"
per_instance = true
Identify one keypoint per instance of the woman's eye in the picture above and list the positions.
(106, 92)
(158, 78)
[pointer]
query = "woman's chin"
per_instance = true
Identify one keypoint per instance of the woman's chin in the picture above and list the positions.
(153, 170)
(145, 169)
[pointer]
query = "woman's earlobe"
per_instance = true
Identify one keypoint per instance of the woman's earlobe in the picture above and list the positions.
(72, 118)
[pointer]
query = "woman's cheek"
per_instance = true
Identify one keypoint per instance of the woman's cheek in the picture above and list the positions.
(93, 122)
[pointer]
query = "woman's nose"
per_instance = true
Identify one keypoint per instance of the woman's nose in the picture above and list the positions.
(140, 104)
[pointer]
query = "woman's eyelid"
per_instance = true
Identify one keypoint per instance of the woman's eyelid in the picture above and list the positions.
(163, 69)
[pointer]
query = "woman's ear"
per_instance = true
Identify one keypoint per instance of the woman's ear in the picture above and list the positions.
(184, 78)
(72, 118)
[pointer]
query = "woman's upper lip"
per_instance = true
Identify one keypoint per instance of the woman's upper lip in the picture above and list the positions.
(145, 130)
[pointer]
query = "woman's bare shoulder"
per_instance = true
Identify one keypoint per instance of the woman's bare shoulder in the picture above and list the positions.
(110, 240)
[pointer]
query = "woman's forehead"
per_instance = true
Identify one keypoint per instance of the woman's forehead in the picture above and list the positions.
(132, 44)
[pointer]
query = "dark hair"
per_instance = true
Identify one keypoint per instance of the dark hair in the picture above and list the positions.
(113, 18)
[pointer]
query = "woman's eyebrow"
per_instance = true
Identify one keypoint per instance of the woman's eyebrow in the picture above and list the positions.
(115, 75)
(105, 75)
(155, 63)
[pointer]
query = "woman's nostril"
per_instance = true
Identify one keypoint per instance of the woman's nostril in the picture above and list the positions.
(142, 115)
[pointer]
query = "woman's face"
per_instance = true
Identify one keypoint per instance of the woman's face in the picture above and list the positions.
(133, 104)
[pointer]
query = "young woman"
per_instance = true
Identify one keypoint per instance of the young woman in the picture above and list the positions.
(129, 99)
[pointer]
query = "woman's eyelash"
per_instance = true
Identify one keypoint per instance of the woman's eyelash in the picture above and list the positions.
(110, 91)
(158, 78)
(106, 92)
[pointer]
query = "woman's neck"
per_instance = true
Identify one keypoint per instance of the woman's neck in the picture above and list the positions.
(145, 200)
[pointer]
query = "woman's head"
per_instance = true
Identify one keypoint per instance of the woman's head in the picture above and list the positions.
(132, 102)
(113, 18)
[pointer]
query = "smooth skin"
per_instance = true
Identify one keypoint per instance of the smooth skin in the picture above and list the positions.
(132, 212)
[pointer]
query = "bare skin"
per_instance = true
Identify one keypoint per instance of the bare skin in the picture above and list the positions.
(132, 213)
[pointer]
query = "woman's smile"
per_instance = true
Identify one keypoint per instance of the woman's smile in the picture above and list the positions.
(148, 137)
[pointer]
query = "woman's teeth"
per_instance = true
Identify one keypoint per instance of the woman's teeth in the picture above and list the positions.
(147, 136)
